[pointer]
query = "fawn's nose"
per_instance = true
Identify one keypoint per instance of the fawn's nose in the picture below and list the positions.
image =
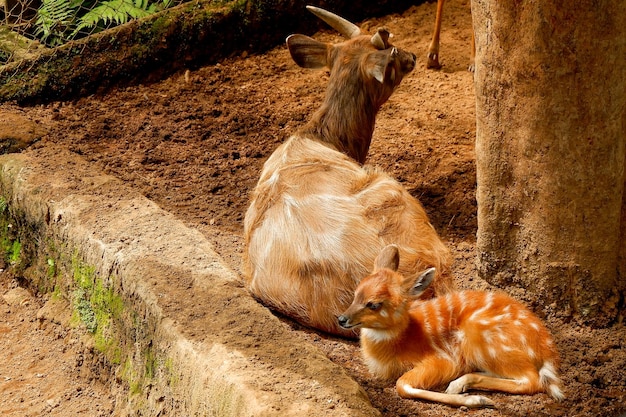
(343, 321)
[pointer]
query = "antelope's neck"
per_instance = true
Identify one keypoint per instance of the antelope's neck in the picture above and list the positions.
(345, 121)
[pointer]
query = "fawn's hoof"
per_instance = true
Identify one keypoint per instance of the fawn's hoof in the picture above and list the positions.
(478, 401)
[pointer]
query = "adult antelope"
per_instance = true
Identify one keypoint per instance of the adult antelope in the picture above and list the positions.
(318, 218)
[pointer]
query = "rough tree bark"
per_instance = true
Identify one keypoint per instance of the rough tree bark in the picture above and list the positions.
(551, 151)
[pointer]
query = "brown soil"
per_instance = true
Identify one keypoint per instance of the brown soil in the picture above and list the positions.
(45, 369)
(195, 143)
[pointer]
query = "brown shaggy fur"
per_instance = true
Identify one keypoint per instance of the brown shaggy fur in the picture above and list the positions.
(318, 218)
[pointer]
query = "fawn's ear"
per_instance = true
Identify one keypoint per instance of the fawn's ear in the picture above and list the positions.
(307, 52)
(419, 285)
(388, 258)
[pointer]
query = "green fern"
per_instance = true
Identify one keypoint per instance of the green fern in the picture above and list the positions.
(55, 19)
(116, 12)
(59, 21)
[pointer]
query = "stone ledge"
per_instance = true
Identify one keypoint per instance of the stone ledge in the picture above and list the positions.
(184, 337)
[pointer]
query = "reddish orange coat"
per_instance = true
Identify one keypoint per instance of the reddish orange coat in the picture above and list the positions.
(427, 344)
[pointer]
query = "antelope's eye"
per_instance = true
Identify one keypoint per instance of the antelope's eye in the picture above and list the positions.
(373, 306)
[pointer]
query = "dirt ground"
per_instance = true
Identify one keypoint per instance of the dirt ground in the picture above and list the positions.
(46, 370)
(195, 143)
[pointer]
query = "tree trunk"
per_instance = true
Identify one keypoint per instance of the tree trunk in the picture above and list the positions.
(551, 151)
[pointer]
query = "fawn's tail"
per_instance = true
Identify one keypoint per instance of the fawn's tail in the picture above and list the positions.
(551, 381)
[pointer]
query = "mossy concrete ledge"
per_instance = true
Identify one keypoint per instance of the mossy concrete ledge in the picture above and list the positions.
(173, 322)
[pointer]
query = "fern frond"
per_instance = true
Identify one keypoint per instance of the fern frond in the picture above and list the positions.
(112, 11)
(54, 18)
(57, 20)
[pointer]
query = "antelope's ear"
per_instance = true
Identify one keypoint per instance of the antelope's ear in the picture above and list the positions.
(307, 52)
(423, 281)
(377, 62)
(388, 258)
(380, 39)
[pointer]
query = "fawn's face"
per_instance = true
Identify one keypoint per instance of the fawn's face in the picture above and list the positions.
(381, 299)
(377, 303)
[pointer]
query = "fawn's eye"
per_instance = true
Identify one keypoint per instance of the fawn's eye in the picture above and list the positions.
(373, 306)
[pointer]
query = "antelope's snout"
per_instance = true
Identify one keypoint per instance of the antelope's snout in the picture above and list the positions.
(409, 62)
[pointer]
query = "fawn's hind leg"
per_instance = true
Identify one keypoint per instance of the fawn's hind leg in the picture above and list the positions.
(430, 373)
(528, 384)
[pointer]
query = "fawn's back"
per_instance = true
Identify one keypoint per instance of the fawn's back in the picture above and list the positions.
(484, 328)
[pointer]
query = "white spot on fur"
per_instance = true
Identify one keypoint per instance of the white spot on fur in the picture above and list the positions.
(483, 309)
(427, 326)
(450, 305)
(440, 325)
(501, 317)
(522, 339)
(443, 354)
(534, 326)
(479, 359)
(462, 302)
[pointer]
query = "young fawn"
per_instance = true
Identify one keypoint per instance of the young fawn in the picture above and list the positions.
(477, 340)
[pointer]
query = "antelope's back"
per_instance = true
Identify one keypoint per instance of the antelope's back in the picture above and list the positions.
(317, 221)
